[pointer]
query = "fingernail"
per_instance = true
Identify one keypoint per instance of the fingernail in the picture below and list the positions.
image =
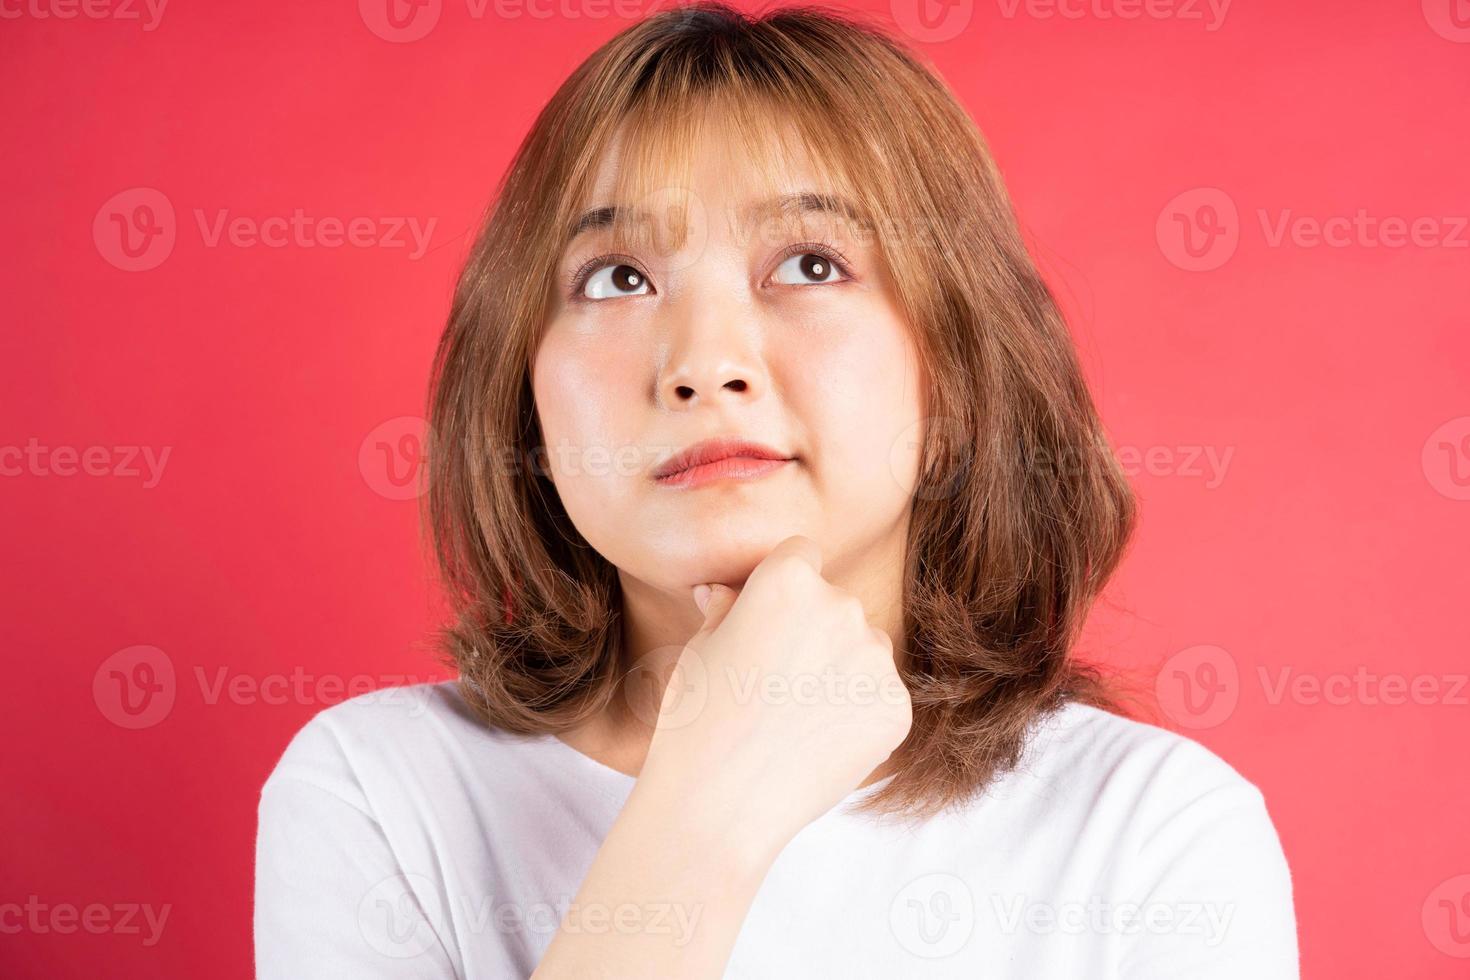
(701, 596)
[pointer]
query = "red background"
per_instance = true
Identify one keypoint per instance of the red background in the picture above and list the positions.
(270, 548)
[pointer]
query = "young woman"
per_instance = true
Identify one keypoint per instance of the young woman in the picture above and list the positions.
(770, 500)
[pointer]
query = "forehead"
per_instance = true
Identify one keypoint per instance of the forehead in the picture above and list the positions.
(718, 171)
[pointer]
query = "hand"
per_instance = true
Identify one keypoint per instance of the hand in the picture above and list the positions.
(781, 704)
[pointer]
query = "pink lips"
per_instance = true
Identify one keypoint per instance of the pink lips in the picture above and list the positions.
(718, 459)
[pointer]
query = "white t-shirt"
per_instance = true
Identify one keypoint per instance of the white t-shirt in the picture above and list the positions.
(401, 837)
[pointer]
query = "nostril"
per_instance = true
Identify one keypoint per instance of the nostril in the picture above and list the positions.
(685, 392)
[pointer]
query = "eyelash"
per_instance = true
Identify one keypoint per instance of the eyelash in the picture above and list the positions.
(579, 278)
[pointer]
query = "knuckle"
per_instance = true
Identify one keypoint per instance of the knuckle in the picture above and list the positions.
(847, 605)
(786, 570)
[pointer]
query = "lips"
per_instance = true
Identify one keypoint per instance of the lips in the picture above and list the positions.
(712, 451)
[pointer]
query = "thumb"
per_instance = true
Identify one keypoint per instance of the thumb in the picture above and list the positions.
(714, 600)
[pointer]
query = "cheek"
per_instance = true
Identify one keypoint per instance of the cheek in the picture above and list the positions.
(866, 408)
(586, 420)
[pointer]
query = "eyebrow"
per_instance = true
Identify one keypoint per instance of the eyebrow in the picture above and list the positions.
(786, 205)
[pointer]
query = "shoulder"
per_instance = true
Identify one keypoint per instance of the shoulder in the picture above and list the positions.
(1158, 770)
(1162, 802)
(373, 741)
(341, 837)
(1189, 837)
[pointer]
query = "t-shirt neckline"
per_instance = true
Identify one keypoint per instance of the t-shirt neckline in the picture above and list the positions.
(624, 782)
(582, 760)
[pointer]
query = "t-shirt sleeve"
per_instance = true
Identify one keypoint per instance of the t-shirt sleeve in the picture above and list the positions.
(1215, 889)
(330, 898)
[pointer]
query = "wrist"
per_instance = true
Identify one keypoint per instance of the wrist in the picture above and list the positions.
(693, 822)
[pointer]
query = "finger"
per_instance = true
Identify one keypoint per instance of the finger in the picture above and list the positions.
(716, 605)
(802, 547)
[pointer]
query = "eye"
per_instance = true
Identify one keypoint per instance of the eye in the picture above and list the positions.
(610, 280)
(811, 265)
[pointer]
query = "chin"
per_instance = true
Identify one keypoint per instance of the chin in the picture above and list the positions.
(722, 558)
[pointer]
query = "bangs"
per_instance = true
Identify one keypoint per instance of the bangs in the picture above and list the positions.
(771, 137)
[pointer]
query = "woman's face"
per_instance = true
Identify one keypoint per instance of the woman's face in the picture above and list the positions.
(732, 334)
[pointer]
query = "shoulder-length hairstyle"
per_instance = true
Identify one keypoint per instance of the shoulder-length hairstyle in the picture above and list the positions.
(1021, 512)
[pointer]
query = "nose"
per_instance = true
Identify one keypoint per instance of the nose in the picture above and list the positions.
(711, 359)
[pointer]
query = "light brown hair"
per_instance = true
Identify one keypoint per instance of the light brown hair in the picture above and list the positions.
(1021, 513)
